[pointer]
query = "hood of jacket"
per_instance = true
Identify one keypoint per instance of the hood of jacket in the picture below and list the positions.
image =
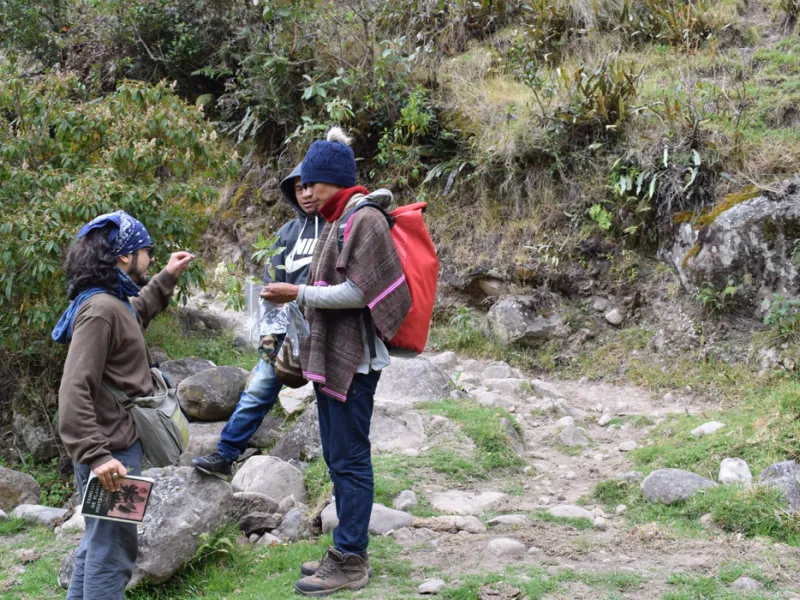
(287, 189)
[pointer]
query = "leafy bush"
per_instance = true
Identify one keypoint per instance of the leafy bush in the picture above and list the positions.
(67, 158)
(783, 315)
(34, 27)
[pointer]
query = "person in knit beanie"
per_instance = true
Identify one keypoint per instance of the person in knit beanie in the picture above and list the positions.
(355, 296)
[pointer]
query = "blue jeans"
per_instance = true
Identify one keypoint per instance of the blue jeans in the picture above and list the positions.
(255, 402)
(107, 554)
(344, 429)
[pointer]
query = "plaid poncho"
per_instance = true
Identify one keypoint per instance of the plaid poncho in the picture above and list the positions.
(368, 258)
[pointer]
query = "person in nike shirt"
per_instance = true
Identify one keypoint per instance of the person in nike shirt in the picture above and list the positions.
(297, 239)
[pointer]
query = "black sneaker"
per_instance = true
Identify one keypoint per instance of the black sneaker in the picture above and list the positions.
(213, 464)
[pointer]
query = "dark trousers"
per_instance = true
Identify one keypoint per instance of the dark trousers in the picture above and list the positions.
(344, 429)
(107, 554)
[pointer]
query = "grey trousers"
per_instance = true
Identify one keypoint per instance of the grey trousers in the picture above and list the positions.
(107, 554)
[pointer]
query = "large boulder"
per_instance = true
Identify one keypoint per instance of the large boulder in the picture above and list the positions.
(783, 476)
(211, 395)
(272, 477)
(268, 433)
(382, 520)
(301, 442)
(183, 506)
(457, 502)
(515, 320)
(669, 486)
(203, 439)
(296, 400)
(17, 488)
(410, 380)
(32, 427)
(396, 427)
(177, 370)
(750, 244)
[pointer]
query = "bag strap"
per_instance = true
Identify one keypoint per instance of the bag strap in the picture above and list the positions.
(160, 387)
(345, 220)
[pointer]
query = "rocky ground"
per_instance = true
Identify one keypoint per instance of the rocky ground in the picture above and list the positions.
(531, 522)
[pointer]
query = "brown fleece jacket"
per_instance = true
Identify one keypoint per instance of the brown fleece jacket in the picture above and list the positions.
(107, 342)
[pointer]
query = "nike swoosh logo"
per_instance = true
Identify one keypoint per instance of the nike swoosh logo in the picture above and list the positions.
(293, 265)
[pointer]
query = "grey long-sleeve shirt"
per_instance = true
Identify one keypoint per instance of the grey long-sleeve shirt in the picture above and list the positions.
(346, 295)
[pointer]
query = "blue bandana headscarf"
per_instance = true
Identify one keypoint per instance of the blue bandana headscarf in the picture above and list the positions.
(127, 237)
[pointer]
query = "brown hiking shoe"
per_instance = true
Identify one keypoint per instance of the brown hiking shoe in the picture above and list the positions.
(310, 567)
(335, 572)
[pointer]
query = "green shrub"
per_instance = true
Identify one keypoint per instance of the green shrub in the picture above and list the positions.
(65, 158)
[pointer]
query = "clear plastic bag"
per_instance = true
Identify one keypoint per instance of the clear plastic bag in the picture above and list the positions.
(297, 330)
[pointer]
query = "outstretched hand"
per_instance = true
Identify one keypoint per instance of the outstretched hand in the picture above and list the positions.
(178, 263)
(279, 293)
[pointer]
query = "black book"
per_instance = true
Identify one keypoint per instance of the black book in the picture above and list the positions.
(127, 505)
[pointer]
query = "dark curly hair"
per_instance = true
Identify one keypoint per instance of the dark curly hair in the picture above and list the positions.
(90, 263)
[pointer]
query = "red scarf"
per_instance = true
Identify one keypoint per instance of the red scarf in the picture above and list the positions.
(334, 207)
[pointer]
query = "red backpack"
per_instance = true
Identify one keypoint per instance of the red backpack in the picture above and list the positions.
(421, 268)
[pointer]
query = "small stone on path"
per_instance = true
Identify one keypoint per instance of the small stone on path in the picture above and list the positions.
(432, 586)
(621, 510)
(446, 360)
(604, 419)
(565, 422)
(546, 390)
(627, 446)
(509, 520)
(506, 547)
(498, 370)
(747, 584)
(672, 485)
(456, 502)
(405, 500)
(736, 471)
(268, 540)
(571, 436)
(707, 428)
(601, 523)
(615, 316)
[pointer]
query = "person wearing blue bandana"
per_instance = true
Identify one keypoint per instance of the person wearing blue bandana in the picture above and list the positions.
(112, 302)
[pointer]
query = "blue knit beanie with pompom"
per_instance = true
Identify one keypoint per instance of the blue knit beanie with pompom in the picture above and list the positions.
(330, 161)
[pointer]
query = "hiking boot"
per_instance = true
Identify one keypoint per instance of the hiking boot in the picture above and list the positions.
(213, 464)
(336, 572)
(309, 568)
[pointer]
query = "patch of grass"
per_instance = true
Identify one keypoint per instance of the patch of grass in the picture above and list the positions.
(483, 425)
(752, 512)
(569, 450)
(166, 332)
(13, 526)
(580, 524)
(318, 482)
(690, 587)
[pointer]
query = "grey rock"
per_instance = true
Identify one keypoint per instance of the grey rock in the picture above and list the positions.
(487, 398)
(33, 428)
(509, 521)
(601, 523)
(446, 360)
(17, 488)
(497, 370)
(735, 471)
(783, 476)
(268, 539)
(615, 316)
(472, 366)
(259, 522)
(631, 477)
(36, 513)
(565, 422)
(506, 548)
(432, 586)
(514, 320)
(382, 520)
(295, 400)
(620, 510)
(301, 442)
(268, 433)
(511, 386)
(252, 502)
(177, 370)
(604, 419)
(707, 428)
(569, 511)
(270, 476)
(405, 500)
(457, 502)
(65, 570)
(669, 486)
(747, 584)
(395, 427)
(452, 524)
(571, 436)
(183, 505)
(546, 390)
(751, 243)
(212, 395)
(491, 287)
(203, 440)
(289, 503)
(159, 355)
(75, 524)
(406, 536)
(411, 380)
(514, 437)
(628, 446)
(295, 526)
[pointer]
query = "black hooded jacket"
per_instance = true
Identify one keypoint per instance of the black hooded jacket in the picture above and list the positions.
(297, 238)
